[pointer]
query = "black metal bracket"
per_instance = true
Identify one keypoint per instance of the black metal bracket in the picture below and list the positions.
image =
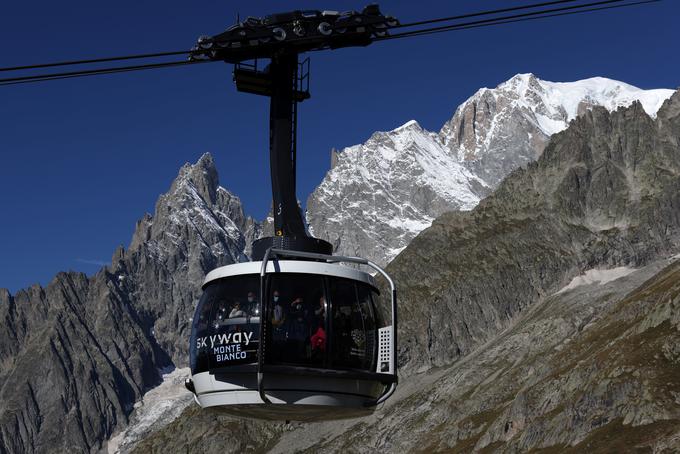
(251, 77)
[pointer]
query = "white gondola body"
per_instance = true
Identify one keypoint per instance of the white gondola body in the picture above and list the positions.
(292, 392)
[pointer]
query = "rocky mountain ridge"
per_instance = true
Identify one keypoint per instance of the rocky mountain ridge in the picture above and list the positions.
(382, 193)
(379, 195)
(498, 130)
(603, 193)
(77, 354)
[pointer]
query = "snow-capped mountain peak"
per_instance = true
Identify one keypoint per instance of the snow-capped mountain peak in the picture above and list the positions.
(409, 125)
(497, 130)
(380, 194)
(195, 216)
(570, 99)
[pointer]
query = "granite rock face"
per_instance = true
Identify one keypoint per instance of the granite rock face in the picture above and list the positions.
(603, 193)
(76, 355)
(211, 432)
(379, 195)
(197, 226)
(499, 130)
(382, 193)
(74, 360)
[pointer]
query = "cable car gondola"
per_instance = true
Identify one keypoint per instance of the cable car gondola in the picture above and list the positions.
(294, 336)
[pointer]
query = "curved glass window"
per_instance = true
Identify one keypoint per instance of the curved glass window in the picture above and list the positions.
(301, 332)
(312, 321)
(297, 320)
(354, 331)
(226, 324)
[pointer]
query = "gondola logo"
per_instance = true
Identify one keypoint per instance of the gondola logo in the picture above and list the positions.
(236, 338)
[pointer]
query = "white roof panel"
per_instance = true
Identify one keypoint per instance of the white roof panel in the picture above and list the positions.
(290, 266)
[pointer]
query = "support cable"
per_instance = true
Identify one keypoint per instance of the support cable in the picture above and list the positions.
(482, 13)
(564, 11)
(502, 19)
(95, 72)
(95, 60)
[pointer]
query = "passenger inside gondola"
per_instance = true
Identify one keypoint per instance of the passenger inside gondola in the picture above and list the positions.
(278, 313)
(221, 313)
(278, 324)
(320, 311)
(236, 311)
(318, 344)
(318, 337)
(253, 308)
(295, 318)
(298, 331)
(352, 320)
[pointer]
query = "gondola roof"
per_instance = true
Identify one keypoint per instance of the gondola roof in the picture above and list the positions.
(291, 266)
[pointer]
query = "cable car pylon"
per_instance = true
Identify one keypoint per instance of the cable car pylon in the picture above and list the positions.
(281, 38)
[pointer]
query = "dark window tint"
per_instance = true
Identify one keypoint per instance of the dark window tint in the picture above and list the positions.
(296, 320)
(226, 324)
(353, 340)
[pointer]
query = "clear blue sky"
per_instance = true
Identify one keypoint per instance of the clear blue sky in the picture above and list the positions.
(81, 160)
